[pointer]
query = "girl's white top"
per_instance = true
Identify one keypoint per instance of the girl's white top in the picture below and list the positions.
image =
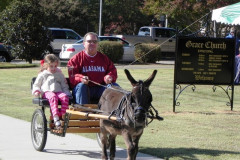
(54, 82)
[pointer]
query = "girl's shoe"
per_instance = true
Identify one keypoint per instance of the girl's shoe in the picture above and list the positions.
(58, 124)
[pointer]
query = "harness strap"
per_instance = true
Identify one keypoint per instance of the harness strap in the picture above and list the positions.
(86, 115)
(120, 109)
(119, 112)
(152, 116)
(139, 108)
(111, 114)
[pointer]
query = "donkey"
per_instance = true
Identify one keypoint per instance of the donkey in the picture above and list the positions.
(131, 109)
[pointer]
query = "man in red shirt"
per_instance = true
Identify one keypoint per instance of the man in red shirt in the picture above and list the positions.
(90, 66)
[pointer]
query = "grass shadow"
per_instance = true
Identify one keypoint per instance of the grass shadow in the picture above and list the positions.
(86, 153)
(184, 153)
(121, 154)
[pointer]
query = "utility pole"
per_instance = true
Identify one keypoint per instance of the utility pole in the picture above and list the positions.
(100, 19)
(166, 21)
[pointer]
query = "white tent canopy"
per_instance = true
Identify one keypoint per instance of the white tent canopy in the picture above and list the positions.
(228, 14)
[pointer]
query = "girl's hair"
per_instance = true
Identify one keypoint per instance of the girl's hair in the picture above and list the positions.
(49, 58)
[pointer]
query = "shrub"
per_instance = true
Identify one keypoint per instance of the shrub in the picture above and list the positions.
(114, 50)
(147, 52)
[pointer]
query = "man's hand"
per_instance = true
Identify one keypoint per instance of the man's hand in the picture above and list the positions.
(85, 80)
(108, 79)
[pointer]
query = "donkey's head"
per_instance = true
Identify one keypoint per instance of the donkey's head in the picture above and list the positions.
(141, 96)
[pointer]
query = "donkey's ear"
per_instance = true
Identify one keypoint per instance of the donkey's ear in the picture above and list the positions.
(150, 79)
(130, 78)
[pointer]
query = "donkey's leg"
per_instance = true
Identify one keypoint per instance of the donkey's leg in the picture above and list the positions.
(104, 140)
(112, 143)
(135, 143)
(129, 144)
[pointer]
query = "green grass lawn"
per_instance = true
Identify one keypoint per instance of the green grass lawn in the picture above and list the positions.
(202, 127)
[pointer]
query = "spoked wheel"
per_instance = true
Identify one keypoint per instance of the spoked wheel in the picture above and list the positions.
(39, 130)
(100, 142)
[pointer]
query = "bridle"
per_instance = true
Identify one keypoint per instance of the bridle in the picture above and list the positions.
(128, 106)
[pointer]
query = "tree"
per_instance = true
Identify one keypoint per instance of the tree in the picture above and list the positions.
(123, 17)
(22, 26)
(78, 15)
(182, 13)
(4, 3)
(118, 16)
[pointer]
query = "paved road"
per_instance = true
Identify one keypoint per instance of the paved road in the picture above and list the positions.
(15, 144)
(159, 64)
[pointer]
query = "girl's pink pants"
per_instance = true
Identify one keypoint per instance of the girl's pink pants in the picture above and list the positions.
(53, 98)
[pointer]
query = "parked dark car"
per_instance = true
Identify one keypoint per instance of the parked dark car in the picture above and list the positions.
(5, 53)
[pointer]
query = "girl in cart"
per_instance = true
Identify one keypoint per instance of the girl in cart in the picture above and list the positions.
(52, 85)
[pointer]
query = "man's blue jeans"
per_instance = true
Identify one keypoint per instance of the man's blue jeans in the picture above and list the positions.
(81, 93)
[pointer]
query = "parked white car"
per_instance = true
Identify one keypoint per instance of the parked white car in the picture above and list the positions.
(69, 50)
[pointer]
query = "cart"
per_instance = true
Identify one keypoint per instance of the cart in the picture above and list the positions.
(78, 119)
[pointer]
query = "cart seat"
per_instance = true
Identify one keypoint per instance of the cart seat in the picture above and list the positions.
(40, 101)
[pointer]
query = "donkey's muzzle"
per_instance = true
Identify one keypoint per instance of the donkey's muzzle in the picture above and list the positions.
(140, 115)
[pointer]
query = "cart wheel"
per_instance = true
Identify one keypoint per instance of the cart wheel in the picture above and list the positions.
(39, 130)
(100, 142)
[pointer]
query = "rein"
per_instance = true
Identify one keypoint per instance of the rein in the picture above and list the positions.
(119, 90)
(119, 112)
(152, 116)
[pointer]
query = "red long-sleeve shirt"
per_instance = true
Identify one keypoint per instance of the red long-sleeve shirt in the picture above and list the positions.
(95, 67)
